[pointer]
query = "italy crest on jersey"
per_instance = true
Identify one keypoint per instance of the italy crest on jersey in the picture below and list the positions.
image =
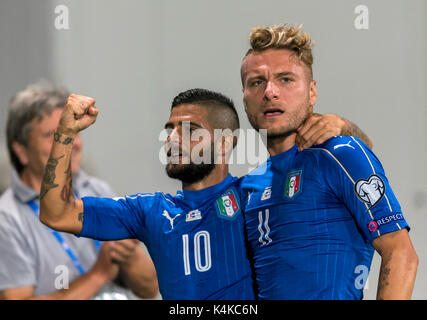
(293, 184)
(227, 205)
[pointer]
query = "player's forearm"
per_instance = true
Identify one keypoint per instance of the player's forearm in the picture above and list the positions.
(351, 129)
(83, 288)
(56, 189)
(140, 275)
(397, 275)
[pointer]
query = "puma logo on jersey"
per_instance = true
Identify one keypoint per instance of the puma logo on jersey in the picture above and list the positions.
(343, 145)
(166, 214)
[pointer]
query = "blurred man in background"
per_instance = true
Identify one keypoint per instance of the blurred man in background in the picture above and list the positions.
(37, 262)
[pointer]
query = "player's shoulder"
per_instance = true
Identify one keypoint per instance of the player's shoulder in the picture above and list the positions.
(157, 196)
(341, 147)
(256, 176)
(8, 203)
(9, 211)
(350, 153)
(236, 184)
(6, 198)
(149, 199)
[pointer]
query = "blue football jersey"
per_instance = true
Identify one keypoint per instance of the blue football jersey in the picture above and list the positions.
(196, 238)
(311, 217)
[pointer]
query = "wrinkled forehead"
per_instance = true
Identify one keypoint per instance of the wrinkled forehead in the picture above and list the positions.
(271, 60)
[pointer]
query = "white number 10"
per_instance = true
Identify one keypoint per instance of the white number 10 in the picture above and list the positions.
(198, 237)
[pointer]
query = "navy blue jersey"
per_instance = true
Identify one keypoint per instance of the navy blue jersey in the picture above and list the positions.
(196, 238)
(311, 217)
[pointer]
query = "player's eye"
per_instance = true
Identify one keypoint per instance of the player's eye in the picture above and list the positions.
(286, 79)
(256, 83)
(188, 127)
(188, 130)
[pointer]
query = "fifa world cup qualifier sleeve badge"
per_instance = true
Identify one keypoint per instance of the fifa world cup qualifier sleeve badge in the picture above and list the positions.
(371, 190)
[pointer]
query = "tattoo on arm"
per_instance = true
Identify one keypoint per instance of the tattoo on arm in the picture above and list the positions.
(49, 175)
(67, 189)
(57, 138)
(68, 171)
(65, 194)
(352, 129)
(80, 217)
(48, 181)
(67, 140)
(384, 276)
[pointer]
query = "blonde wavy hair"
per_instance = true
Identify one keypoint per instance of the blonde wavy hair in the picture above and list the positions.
(283, 36)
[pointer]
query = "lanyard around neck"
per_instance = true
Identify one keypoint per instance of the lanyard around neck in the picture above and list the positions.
(33, 205)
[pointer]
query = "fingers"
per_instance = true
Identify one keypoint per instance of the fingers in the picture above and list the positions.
(93, 111)
(105, 265)
(317, 137)
(80, 112)
(309, 123)
(123, 250)
(299, 142)
(311, 130)
(119, 251)
(105, 252)
(323, 137)
(317, 129)
(128, 244)
(80, 104)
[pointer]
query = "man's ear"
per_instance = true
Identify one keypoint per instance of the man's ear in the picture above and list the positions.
(243, 91)
(224, 146)
(245, 104)
(313, 94)
(21, 153)
(228, 143)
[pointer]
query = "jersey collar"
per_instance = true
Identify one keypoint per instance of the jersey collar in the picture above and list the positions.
(192, 195)
(286, 155)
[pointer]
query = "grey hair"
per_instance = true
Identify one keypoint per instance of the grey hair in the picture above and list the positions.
(34, 102)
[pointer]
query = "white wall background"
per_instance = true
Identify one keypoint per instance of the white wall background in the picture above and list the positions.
(133, 57)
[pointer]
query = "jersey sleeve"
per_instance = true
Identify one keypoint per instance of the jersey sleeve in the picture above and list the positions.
(357, 178)
(116, 218)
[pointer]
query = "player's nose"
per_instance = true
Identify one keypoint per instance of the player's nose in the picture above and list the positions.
(271, 91)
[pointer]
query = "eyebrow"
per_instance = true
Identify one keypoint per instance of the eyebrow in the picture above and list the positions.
(261, 75)
(171, 125)
(284, 73)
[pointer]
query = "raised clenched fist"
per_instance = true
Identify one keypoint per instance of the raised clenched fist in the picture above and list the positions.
(79, 113)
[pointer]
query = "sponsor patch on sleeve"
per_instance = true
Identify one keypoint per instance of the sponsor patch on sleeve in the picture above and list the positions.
(381, 222)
